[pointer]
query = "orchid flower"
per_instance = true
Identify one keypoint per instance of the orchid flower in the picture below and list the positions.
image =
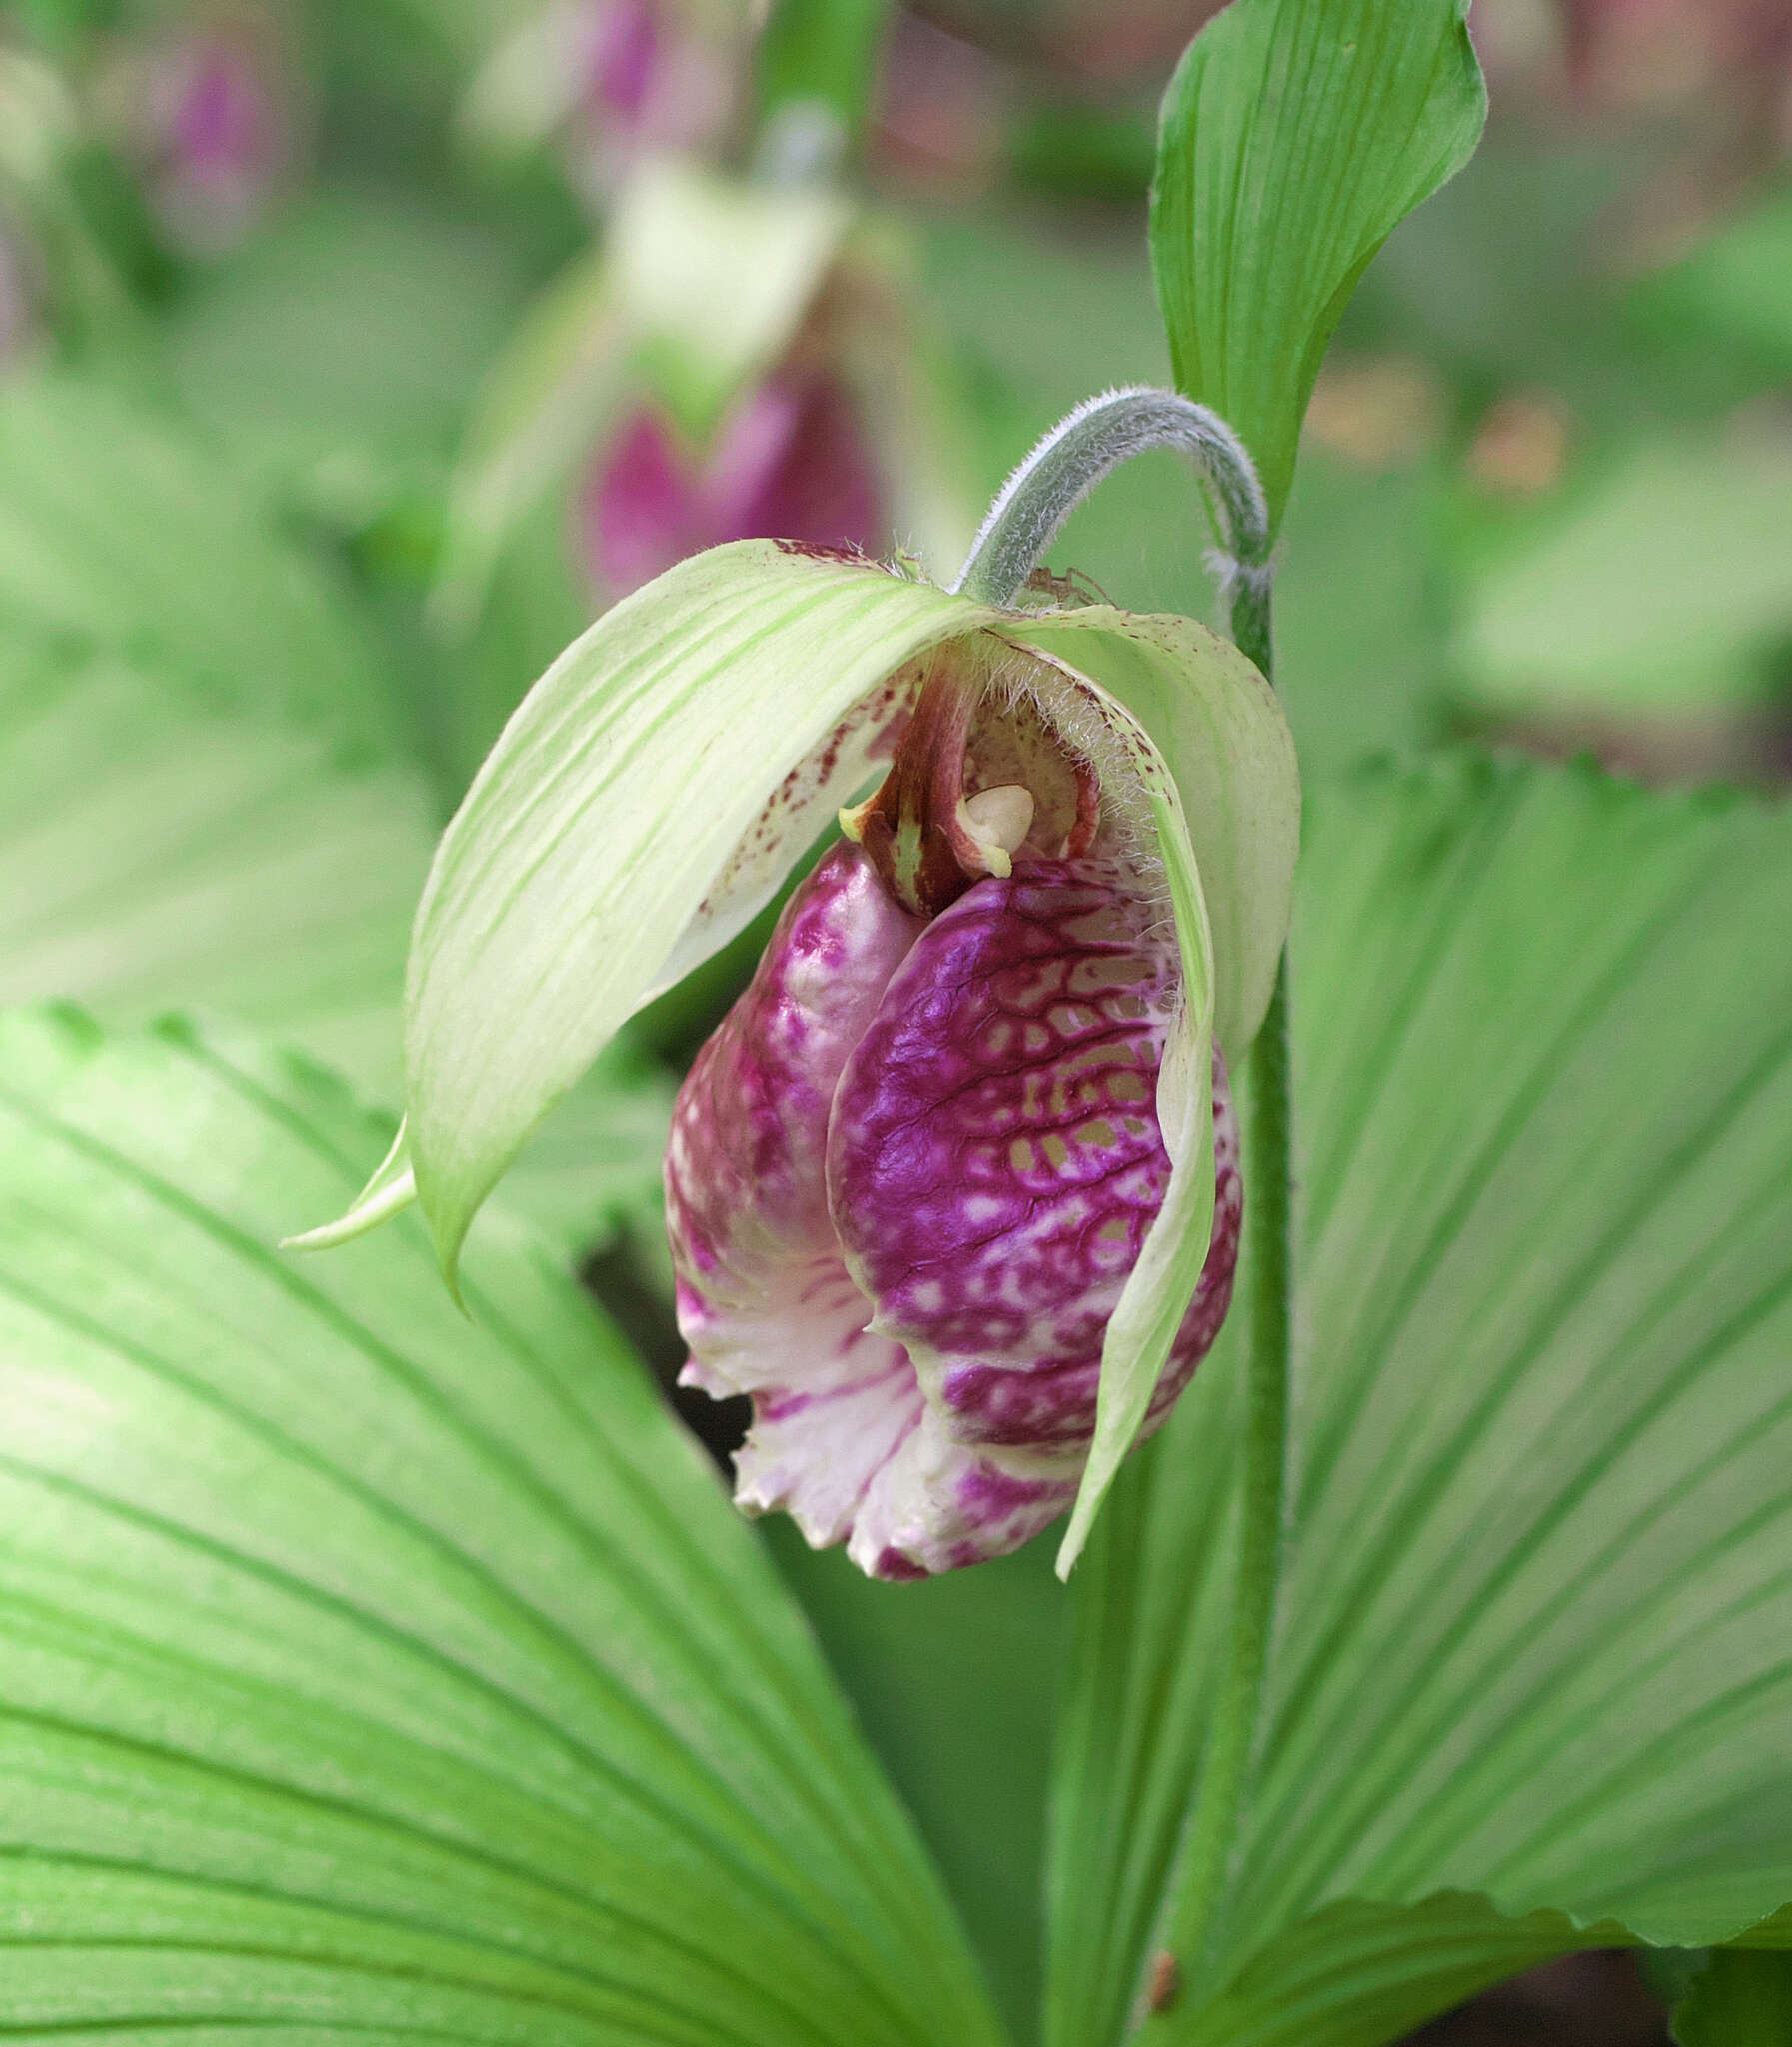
(953, 1191)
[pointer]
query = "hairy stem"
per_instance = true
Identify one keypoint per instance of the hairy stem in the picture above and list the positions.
(1089, 445)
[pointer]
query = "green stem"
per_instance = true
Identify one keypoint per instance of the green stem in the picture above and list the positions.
(1269, 1179)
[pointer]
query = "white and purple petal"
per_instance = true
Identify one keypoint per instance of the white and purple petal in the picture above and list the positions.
(763, 1298)
(994, 1158)
(907, 1178)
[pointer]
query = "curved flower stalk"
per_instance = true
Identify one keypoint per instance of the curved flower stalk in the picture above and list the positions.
(735, 360)
(1116, 793)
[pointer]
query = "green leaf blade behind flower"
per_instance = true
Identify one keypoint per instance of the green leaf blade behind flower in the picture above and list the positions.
(1295, 138)
(158, 848)
(204, 798)
(1529, 1644)
(364, 1670)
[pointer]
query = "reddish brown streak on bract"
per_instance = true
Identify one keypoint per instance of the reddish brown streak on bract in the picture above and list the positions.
(818, 551)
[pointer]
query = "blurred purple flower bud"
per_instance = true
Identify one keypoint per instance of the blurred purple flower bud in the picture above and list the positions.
(624, 50)
(210, 111)
(911, 1171)
(790, 462)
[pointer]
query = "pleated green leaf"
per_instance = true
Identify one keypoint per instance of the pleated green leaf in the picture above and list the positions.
(206, 800)
(1530, 1643)
(158, 846)
(204, 794)
(121, 532)
(366, 1672)
(1295, 138)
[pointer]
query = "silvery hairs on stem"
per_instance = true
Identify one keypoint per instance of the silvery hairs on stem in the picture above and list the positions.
(1087, 447)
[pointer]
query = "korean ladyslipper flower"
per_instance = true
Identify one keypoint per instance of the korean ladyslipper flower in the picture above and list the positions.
(954, 1191)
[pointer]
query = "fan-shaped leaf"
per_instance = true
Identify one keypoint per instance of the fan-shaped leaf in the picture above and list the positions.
(156, 849)
(1530, 1639)
(365, 1671)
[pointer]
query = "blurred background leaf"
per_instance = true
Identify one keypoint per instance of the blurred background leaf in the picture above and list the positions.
(208, 794)
(122, 532)
(1738, 1999)
(340, 350)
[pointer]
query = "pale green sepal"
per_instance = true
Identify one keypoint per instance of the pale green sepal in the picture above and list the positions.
(1144, 1323)
(391, 1190)
(621, 830)
(1219, 725)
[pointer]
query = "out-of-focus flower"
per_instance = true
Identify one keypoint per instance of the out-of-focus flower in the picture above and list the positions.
(912, 1171)
(607, 82)
(1634, 53)
(1708, 83)
(209, 107)
(791, 461)
(736, 361)
(942, 109)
